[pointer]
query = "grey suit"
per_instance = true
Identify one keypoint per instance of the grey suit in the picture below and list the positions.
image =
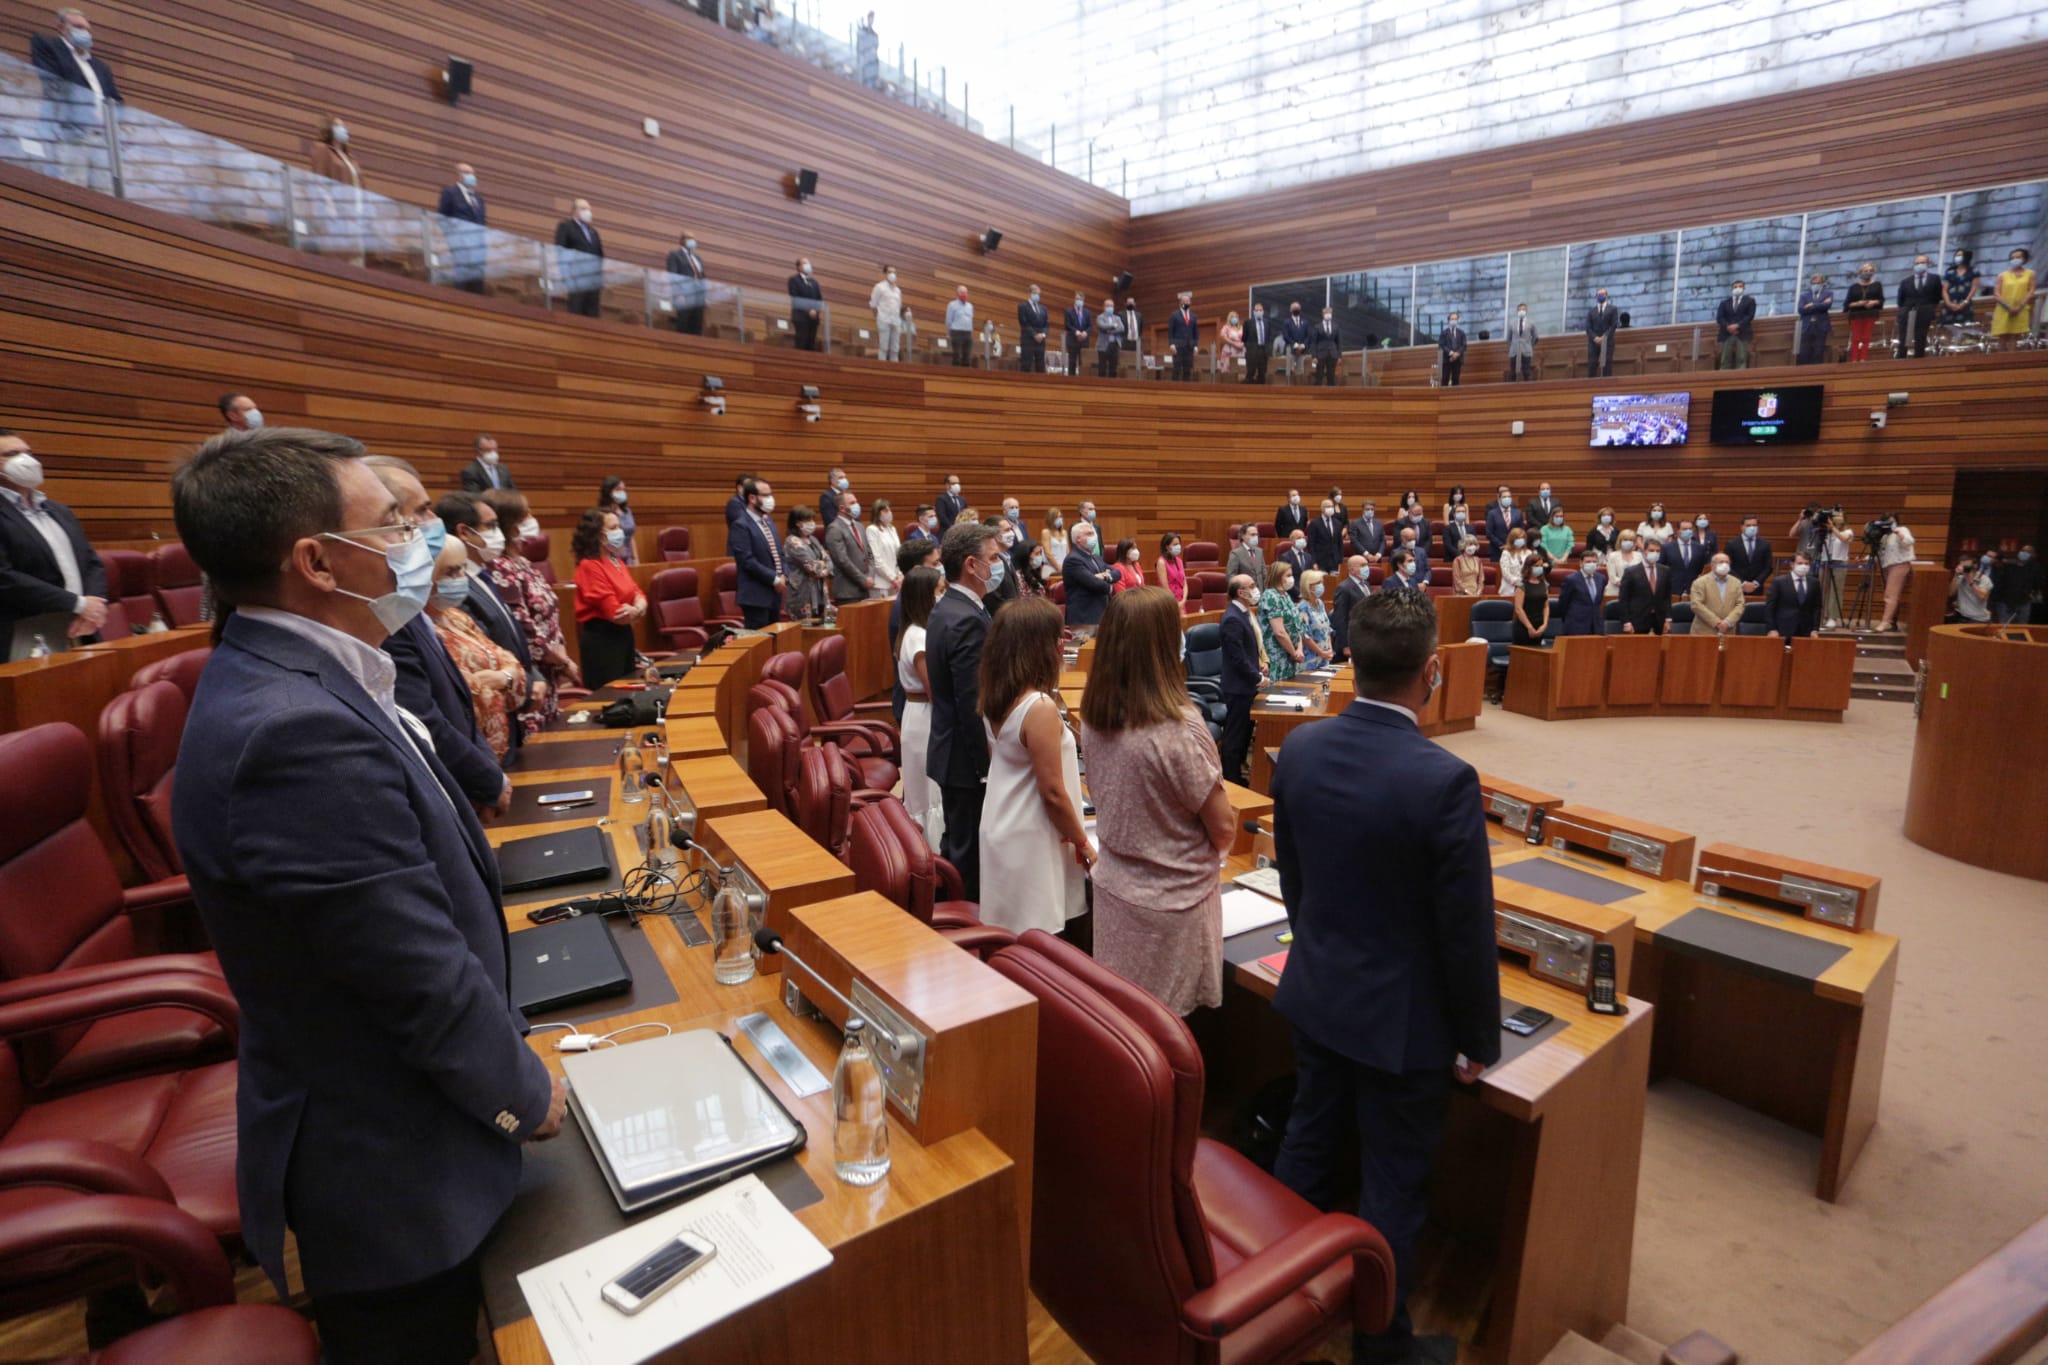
(1522, 341)
(850, 567)
(1246, 560)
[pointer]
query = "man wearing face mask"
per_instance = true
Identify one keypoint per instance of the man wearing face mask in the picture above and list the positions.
(806, 307)
(1685, 558)
(756, 555)
(1919, 296)
(1450, 352)
(836, 483)
(1368, 533)
(960, 328)
(956, 756)
(1290, 516)
(1080, 327)
(887, 302)
(579, 259)
(1326, 538)
(1717, 600)
(1088, 580)
(68, 58)
(486, 471)
(1750, 557)
(341, 876)
(1645, 596)
(1735, 325)
(1793, 605)
(949, 504)
(1245, 556)
(1134, 330)
(1601, 320)
(853, 576)
(688, 297)
(1239, 683)
(52, 583)
(1033, 322)
(1580, 597)
(1816, 320)
(1183, 332)
(1356, 587)
(463, 218)
(1329, 350)
(239, 411)
(1258, 346)
(472, 521)
(1297, 558)
(1521, 345)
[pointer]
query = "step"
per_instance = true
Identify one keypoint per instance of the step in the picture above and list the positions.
(1631, 1345)
(1577, 1350)
(1880, 649)
(1875, 692)
(1892, 672)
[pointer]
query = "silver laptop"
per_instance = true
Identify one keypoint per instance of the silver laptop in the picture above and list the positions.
(672, 1115)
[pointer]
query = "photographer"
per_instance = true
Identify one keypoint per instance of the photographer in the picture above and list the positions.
(1892, 544)
(1826, 542)
(1970, 589)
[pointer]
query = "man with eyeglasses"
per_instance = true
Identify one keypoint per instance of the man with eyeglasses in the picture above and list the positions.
(385, 1090)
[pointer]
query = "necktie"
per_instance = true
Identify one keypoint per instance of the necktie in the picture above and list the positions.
(774, 553)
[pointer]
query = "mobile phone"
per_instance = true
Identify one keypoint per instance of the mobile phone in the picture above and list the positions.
(564, 798)
(1526, 1020)
(1601, 997)
(645, 1281)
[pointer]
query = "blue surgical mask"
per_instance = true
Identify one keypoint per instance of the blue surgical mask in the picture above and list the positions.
(252, 419)
(412, 572)
(452, 592)
(436, 537)
(469, 180)
(997, 568)
(81, 38)
(1058, 522)
(616, 538)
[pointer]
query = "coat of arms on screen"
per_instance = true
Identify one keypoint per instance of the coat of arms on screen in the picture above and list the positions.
(1767, 405)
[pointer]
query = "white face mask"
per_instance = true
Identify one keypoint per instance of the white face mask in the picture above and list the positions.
(583, 216)
(619, 495)
(23, 469)
(1799, 570)
(529, 527)
(767, 502)
(888, 517)
(489, 457)
(1131, 555)
(494, 543)
(1720, 571)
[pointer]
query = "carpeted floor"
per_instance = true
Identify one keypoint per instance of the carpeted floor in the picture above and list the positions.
(1729, 1237)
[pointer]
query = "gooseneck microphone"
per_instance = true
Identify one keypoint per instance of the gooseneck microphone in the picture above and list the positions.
(770, 942)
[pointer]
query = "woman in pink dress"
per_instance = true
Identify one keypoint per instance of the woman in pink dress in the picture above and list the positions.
(1169, 572)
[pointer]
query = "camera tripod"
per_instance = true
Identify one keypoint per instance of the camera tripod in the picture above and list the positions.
(1858, 612)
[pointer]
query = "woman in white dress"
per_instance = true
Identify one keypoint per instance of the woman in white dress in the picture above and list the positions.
(1053, 536)
(920, 793)
(1033, 801)
(883, 543)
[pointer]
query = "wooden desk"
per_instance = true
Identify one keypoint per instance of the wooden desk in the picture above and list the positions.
(870, 664)
(1806, 1052)
(1584, 677)
(1981, 729)
(1926, 604)
(1452, 709)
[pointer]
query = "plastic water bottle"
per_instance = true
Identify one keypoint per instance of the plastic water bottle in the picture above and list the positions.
(831, 612)
(661, 839)
(860, 1111)
(632, 769)
(39, 648)
(732, 937)
(157, 624)
(651, 674)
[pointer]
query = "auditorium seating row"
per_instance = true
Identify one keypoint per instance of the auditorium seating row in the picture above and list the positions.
(143, 587)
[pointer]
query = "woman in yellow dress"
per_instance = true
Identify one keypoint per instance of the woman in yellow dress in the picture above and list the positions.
(2012, 316)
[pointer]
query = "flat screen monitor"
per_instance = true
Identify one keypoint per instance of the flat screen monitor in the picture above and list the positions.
(1786, 415)
(1640, 419)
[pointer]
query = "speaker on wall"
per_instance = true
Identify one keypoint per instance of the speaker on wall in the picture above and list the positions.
(1122, 282)
(458, 76)
(806, 184)
(990, 240)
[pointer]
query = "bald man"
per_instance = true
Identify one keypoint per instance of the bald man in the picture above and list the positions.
(582, 273)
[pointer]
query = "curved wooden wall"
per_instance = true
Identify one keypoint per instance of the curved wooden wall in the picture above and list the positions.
(1980, 731)
(123, 325)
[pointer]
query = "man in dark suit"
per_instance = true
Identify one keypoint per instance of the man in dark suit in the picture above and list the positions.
(1645, 595)
(52, 583)
(1685, 559)
(1541, 506)
(1450, 352)
(1503, 519)
(1080, 330)
(1326, 538)
(463, 219)
(836, 483)
(736, 505)
(1406, 569)
(1601, 321)
(1328, 344)
(427, 682)
(688, 268)
(68, 57)
(1087, 578)
(949, 504)
(1134, 324)
(1750, 558)
(806, 309)
(1290, 516)
(1579, 600)
(486, 471)
(475, 523)
(344, 882)
(846, 544)
(1182, 332)
(1258, 346)
(1368, 534)
(581, 262)
(1919, 297)
(1792, 606)
(1353, 590)
(956, 758)
(1735, 326)
(1295, 337)
(1241, 672)
(757, 559)
(1034, 321)
(1393, 983)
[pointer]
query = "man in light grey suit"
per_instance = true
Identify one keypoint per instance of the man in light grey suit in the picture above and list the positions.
(1521, 345)
(853, 573)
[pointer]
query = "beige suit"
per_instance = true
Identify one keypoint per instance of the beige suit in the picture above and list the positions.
(1715, 600)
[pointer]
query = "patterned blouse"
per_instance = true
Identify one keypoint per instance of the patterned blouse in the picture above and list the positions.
(476, 654)
(533, 604)
(1275, 605)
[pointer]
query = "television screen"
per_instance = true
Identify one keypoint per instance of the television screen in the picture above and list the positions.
(1766, 417)
(1640, 419)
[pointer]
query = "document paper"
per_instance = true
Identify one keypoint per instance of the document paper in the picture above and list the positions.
(761, 1246)
(1244, 911)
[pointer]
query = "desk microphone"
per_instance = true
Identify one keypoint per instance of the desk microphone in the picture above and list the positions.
(769, 942)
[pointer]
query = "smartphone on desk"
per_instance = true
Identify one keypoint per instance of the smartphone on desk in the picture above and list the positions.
(1526, 1020)
(565, 798)
(667, 1266)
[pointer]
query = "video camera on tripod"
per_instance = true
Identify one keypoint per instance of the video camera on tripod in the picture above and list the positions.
(1876, 529)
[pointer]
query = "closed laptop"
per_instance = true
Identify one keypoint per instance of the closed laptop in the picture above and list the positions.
(566, 961)
(569, 855)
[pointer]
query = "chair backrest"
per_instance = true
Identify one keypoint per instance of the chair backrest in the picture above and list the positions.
(174, 578)
(725, 581)
(678, 611)
(1205, 650)
(1056, 593)
(1611, 612)
(536, 548)
(1681, 616)
(138, 755)
(1439, 575)
(1202, 555)
(673, 542)
(1493, 620)
(1754, 621)
(772, 743)
(830, 691)
(824, 795)
(890, 856)
(786, 668)
(183, 669)
(1114, 1146)
(128, 587)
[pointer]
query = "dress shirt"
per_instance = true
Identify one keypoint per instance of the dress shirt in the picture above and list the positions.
(92, 77)
(1397, 710)
(30, 505)
(886, 299)
(966, 592)
(959, 316)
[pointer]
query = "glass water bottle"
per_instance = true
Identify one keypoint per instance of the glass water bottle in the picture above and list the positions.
(732, 936)
(860, 1111)
(632, 768)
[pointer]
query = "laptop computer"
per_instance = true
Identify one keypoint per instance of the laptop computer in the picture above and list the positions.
(668, 1116)
(566, 961)
(570, 855)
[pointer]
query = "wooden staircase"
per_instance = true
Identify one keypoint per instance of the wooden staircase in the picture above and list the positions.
(1623, 1345)
(1882, 673)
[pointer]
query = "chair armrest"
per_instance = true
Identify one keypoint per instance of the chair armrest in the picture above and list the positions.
(1206, 688)
(174, 990)
(72, 978)
(167, 1238)
(979, 939)
(951, 887)
(170, 893)
(1284, 1267)
(866, 796)
(872, 742)
(85, 1165)
(881, 711)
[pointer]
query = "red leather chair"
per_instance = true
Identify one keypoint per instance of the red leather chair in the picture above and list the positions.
(62, 907)
(1056, 593)
(130, 603)
(983, 940)
(786, 668)
(873, 772)
(890, 857)
(182, 669)
(1202, 554)
(831, 695)
(174, 578)
(121, 1234)
(1215, 590)
(1213, 1259)
(138, 755)
(725, 581)
(773, 744)
(678, 612)
(536, 548)
(673, 543)
(824, 797)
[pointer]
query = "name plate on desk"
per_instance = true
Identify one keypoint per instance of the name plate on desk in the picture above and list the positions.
(1643, 855)
(1514, 814)
(1563, 955)
(1828, 895)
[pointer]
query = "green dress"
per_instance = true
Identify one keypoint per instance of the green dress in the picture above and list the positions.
(1276, 605)
(1557, 541)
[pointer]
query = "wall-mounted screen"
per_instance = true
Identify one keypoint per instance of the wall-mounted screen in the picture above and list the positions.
(1778, 416)
(1640, 419)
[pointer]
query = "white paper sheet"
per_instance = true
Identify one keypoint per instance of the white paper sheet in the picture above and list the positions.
(1245, 910)
(1288, 701)
(761, 1249)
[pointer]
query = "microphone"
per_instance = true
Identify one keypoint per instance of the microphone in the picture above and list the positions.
(1251, 827)
(770, 942)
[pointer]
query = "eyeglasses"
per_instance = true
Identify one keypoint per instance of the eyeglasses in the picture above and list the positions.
(403, 533)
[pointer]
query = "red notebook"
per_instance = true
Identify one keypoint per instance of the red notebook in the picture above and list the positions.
(1275, 964)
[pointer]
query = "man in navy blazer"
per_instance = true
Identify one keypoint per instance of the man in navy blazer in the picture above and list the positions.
(1080, 330)
(1368, 534)
(1393, 981)
(1034, 324)
(1502, 517)
(1792, 606)
(756, 559)
(1579, 600)
(68, 57)
(957, 755)
(1088, 580)
(1240, 681)
(39, 595)
(1686, 559)
(1450, 350)
(385, 1087)
(1182, 332)
(1750, 557)
(464, 219)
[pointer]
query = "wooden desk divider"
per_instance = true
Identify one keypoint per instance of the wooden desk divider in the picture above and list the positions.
(1560, 948)
(715, 787)
(1511, 803)
(784, 864)
(694, 737)
(1652, 850)
(1246, 806)
(1830, 895)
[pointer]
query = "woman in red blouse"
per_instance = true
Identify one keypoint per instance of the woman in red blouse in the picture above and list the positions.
(608, 601)
(1170, 573)
(1128, 574)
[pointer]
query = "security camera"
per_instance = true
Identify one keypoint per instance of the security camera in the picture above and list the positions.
(1877, 420)
(713, 384)
(811, 411)
(714, 402)
(1896, 400)
(810, 393)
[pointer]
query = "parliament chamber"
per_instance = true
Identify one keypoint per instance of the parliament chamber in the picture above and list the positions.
(1704, 1164)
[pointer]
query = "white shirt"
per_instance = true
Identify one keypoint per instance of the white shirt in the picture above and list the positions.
(30, 505)
(1390, 706)
(92, 77)
(966, 592)
(886, 299)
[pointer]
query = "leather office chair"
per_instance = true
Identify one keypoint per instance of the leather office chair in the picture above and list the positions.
(63, 907)
(983, 940)
(138, 755)
(1213, 1258)
(823, 799)
(868, 771)
(1205, 674)
(1215, 590)
(772, 747)
(1681, 618)
(536, 548)
(786, 668)
(831, 697)
(1056, 593)
(130, 603)
(1201, 555)
(673, 543)
(678, 613)
(123, 1234)
(1493, 620)
(181, 669)
(725, 581)
(890, 856)
(1610, 616)
(1754, 621)
(174, 578)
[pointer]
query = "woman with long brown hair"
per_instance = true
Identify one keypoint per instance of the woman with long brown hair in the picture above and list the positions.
(1164, 817)
(1033, 801)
